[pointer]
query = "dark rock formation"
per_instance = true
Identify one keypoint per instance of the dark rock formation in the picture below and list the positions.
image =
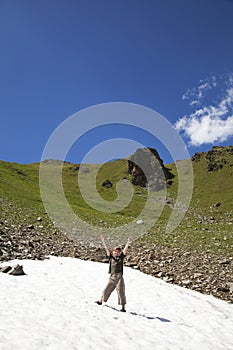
(216, 157)
(147, 169)
(17, 270)
(5, 269)
(214, 166)
(197, 156)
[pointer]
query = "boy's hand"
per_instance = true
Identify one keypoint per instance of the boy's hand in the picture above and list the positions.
(127, 244)
(105, 246)
(130, 239)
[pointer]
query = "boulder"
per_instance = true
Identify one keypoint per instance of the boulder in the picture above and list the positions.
(147, 169)
(17, 270)
(107, 184)
(5, 269)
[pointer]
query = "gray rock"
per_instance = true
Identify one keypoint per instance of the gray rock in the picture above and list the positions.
(147, 169)
(16, 270)
(5, 269)
(107, 184)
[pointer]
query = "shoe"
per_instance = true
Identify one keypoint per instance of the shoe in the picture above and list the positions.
(123, 310)
(98, 302)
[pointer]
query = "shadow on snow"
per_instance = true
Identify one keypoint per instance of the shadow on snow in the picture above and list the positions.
(141, 315)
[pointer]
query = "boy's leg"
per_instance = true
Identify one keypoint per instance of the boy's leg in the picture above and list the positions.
(121, 292)
(111, 285)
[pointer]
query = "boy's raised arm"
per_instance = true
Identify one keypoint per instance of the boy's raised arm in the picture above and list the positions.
(105, 246)
(130, 239)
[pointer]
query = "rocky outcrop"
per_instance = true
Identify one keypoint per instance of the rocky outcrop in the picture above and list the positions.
(214, 160)
(197, 156)
(216, 157)
(147, 169)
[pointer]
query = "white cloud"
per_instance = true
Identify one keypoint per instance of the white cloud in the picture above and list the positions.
(206, 129)
(209, 124)
(195, 96)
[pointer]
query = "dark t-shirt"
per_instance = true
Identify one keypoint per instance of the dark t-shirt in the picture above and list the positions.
(116, 263)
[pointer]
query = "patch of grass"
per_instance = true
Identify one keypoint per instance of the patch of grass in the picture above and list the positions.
(19, 183)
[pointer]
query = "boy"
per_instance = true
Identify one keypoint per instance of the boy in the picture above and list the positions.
(116, 279)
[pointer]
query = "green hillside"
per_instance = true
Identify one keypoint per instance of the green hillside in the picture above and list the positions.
(207, 225)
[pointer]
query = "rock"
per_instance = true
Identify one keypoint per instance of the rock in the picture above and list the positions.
(217, 204)
(147, 169)
(197, 156)
(186, 282)
(107, 184)
(5, 269)
(20, 172)
(169, 201)
(223, 288)
(139, 222)
(168, 279)
(230, 284)
(151, 256)
(214, 166)
(16, 270)
(198, 275)
(85, 170)
(161, 274)
(224, 262)
(187, 254)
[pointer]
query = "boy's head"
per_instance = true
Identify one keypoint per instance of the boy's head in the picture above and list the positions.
(116, 251)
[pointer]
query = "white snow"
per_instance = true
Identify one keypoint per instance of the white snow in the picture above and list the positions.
(53, 307)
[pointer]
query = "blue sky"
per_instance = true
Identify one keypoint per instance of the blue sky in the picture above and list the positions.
(61, 56)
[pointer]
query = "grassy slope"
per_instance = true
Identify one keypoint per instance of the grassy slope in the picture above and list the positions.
(205, 225)
(208, 225)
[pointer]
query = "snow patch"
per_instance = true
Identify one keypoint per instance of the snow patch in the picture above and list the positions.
(53, 307)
